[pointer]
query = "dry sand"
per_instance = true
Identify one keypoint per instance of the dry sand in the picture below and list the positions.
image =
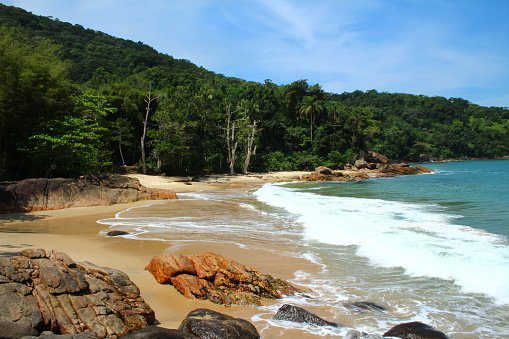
(214, 182)
(75, 232)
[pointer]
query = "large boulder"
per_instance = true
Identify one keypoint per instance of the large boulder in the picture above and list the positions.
(213, 277)
(379, 158)
(300, 315)
(208, 324)
(48, 291)
(49, 194)
(361, 164)
(414, 330)
(323, 170)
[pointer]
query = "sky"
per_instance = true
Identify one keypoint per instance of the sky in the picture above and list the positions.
(451, 48)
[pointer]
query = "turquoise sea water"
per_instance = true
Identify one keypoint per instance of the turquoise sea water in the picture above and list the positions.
(476, 191)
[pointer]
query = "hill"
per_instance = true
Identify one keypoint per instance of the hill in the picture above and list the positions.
(75, 101)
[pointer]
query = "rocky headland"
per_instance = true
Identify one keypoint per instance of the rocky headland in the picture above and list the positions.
(370, 165)
(50, 194)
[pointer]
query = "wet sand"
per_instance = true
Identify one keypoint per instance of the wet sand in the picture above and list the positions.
(75, 232)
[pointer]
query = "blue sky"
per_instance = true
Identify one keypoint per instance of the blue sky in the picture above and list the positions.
(432, 47)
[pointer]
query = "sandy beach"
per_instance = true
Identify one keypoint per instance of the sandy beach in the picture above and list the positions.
(76, 232)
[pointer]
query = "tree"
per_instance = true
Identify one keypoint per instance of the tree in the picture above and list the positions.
(231, 140)
(361, 125)
(250, 110)
(122, 134)
(149, 99)
(310, 108)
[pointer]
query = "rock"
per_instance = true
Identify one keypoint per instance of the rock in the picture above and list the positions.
(50, 194)
(116, 233)
(404, 169)
(361, 163)
(51, 335)
(366, 306)
(323, 170)
(354, 334)
(47, 291)
(379, 158)
(372, 165)
(300, 315)
(210, 276)
(154, 332)
(414, 330)
(208, 324)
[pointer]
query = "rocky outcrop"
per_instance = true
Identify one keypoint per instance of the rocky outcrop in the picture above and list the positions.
(323, 173)
(300, 315)
(414, 330)
(213, 277)
(404, 169)
(204, 323)
(51, 194)
(370, 165)
(48, 291)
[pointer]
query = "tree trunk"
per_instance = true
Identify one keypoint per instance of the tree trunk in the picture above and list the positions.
(251, 147)
(148, 101)
(120, 150)
(231, 143)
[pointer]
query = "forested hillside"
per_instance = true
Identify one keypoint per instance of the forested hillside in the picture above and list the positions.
(76, 101)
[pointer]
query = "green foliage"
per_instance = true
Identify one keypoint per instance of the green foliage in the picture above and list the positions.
(72, 102)
(68, 146)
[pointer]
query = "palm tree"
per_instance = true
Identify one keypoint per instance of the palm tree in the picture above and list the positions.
(311, 107)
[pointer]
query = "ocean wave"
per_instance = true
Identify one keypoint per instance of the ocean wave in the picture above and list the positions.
(421, 238)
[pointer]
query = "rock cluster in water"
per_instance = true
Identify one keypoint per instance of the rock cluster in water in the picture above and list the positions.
(49, 194)
(369, 165)
(47, 291)
(213, 277)
(411, 330)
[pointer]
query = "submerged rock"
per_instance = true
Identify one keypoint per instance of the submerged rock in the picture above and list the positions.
(116, 233)
(208, 324)
(300, 315)
(366, 305)
(47, 291)
(50, 194)
(213, 277)
(354, 334)
(414, 330)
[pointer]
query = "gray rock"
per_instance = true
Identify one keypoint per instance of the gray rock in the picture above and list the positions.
(366, 306)
(361, 163)
(208, 324)
(154, 332)
(47, 291)
(300, 315)
(414, 330)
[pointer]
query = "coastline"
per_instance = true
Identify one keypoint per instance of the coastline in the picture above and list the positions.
(76, 232)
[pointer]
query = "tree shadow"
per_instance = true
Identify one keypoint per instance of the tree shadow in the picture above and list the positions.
(19, 217)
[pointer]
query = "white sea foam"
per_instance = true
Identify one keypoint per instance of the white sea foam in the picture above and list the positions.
(422, 239)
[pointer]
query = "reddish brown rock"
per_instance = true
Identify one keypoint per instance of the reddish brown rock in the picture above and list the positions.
(166, 266)
(404, 169)
(50, 194)
(218, 279)
(48, 291)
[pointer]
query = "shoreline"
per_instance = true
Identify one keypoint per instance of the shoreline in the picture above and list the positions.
(75, 231)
